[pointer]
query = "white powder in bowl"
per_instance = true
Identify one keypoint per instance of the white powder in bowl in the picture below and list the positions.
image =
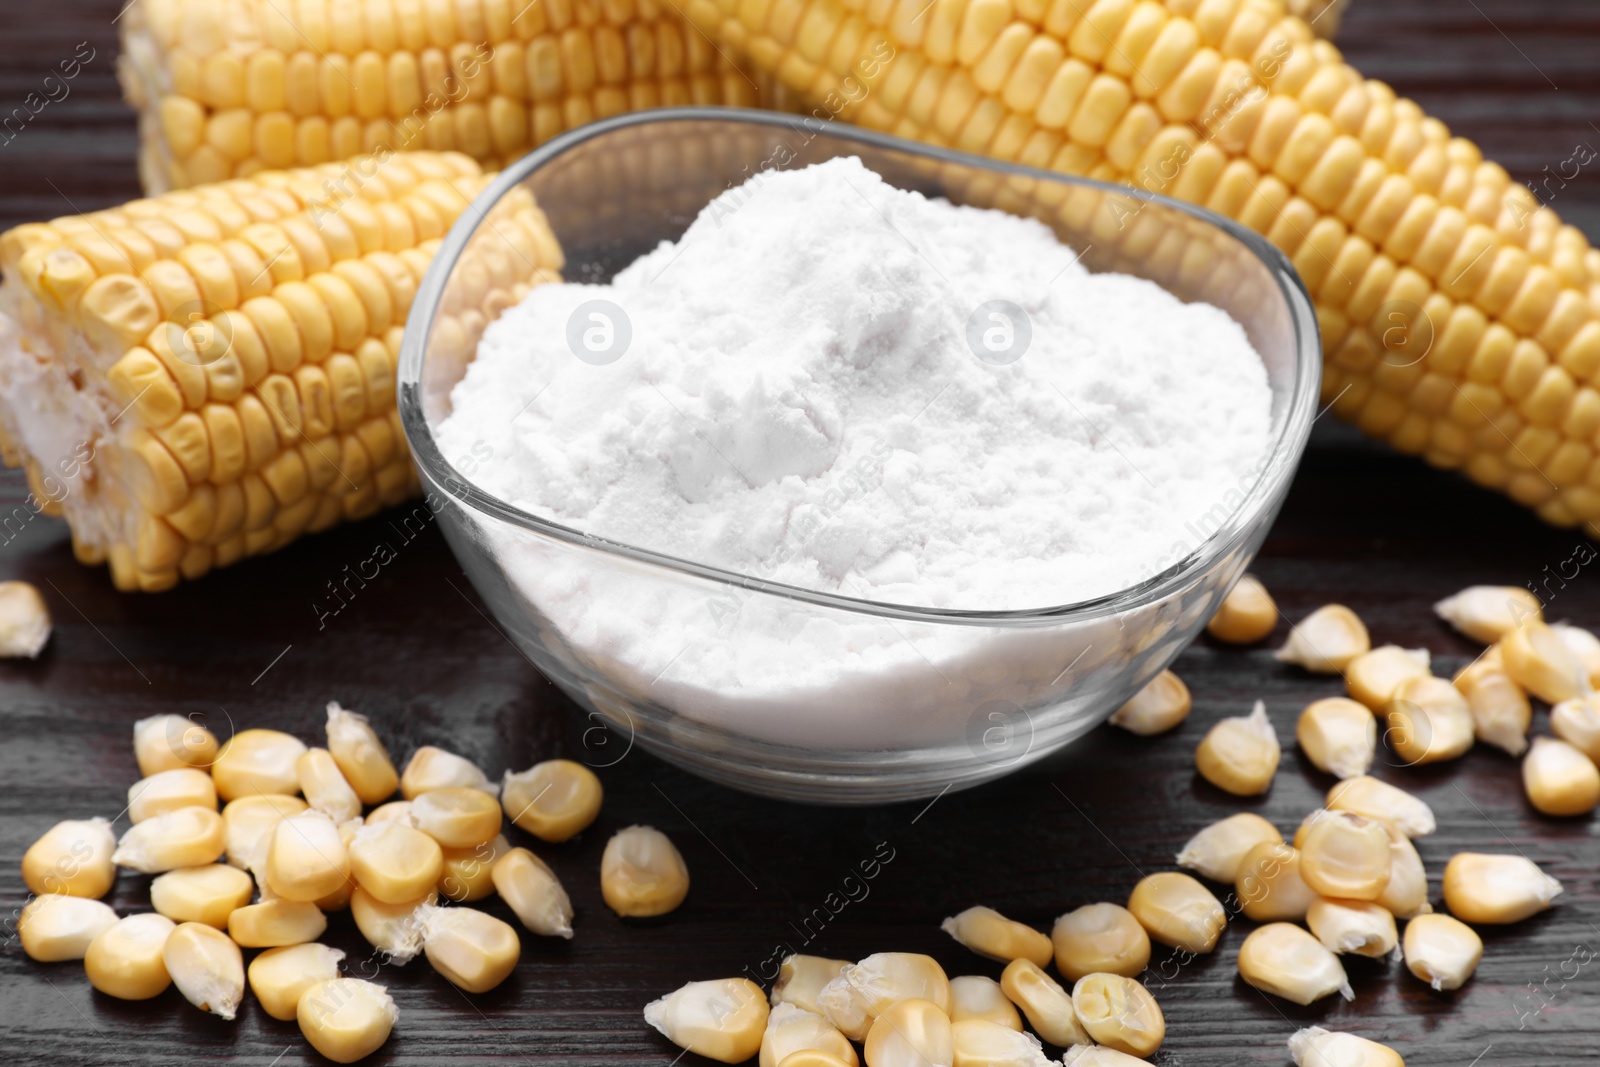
(799, 400)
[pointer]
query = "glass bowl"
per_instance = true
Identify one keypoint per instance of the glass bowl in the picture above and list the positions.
(758, 697)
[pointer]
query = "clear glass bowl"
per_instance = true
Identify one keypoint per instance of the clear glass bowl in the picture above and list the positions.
(953, 698)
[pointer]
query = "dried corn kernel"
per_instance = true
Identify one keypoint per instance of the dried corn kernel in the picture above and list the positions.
(457, 816)
(1538, 659)
(73, 857)
(433, 768)
(187, 837)
(1428, 721)
(346, 1019)
(1177, 911)
(395, 809)
(642, 873)
(1372, 677)
(206, 894)
(990, 934)
(1119, 1013)
(54, 927)
(1269, 887)
(863, 990)
(272, 923)
(468, 873)
(279, 977)
(1500, 709)
(165, 791)
(1047, 1006)
(976, 996)
(394, 929)
(1559, 779)
(1381, 801)
(24, 620)
(1217, 850)
(1240, 755)
(1487, 613)
(306, 857)
(1284, 960)
(1577, 722)
(1338, 736)
(1358, 926)
(1406, 895)
(360, 755)
(792, 1029)
(981, 1043)
(1441, 951)
(168, 742)
(1099, 1056)
(206, 967)
(721, 1020)
(1325, 641)
(476, 951)
(1155, 709)
(1584, 646)
(1345, 855)
(395, 862)
(910, 1033)
(1100, 938)
(1482, 887)
(1316, 1047)
(257, 761)
(246, 820)
(324, 785)
(533, 893)
(125, 961)
(801, 978)
(812, 1057)
(1248, 613)
(553, 800)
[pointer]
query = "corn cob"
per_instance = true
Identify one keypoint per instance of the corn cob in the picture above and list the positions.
(203, 376)
(1458, 315)
(226, 88)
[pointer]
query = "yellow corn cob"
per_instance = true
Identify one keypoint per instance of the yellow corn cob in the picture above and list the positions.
(203, 376)
(1458, 315)
(226, 88)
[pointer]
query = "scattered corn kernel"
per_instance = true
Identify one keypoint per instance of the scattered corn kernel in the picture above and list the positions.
(457, 816)
(1406, 895)
(1559, 779)
(1047, 1006)
(533, 893)
(1358, 926)
(164, 791)
(1428, 721)
(187, 837)
(1381, 801)
(346, 1019)
(553, 800)
(990, 934)
(24, 620)
(910, 1033)
(1119, 1013)
(54, 927)
(279, 977)
(792, 1029)
(1269, 887)
(801, 978)
(1487, 613)
(1481, 887)
(168, 742)
(1162, 704)
(395, 809)
(124, 960)
(642, 873)
(1500, 710)
(1345, 855)
(476, 951)
(1284, 960)
(206, 894)
(812, 1057)
(1338, 735)
(395, 862)
(1248, 613)
(1372, 677)
(1177, 911)
(722, 1020)
(73, 857)
(1441, 951)
(1577, 722)
(306, 857)
(1217, 850)
(257, 761)
(206, 966)
(272, 923)
(1099, 938)
(360, 755)
(1240, 755)
(246, 820)
(468, 873)
(977, 996)
(981, 1043)
(1316, 1047)
(1099, 1056)
(433, 768)
(394, 929)
(1584, 646)
(1539, 660)
(863, 990)
(1325, 641)
(324, 787)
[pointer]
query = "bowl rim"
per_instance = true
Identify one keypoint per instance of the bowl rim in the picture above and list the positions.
(1278, 467)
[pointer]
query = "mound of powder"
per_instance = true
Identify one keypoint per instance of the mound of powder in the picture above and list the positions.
(814, 387)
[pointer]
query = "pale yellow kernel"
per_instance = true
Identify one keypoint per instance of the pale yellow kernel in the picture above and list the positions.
(1247, 614)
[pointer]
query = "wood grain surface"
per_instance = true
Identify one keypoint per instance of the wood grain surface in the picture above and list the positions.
(414, 651)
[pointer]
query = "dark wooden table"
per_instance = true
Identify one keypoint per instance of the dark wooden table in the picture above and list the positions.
(1380, 533)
